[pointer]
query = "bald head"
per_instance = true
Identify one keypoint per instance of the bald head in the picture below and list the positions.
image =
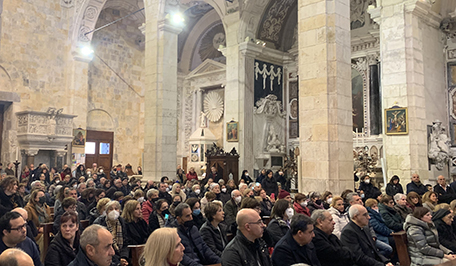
(22, 212)
(245, 216)
(15, 257)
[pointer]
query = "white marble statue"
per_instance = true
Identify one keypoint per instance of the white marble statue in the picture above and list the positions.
(274, 144)
(439, 151)
(203, 120)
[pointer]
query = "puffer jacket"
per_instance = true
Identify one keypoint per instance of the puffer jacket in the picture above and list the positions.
(340, 220)
(376, 221)
(392, 219)
(276, 229)
(423, 243)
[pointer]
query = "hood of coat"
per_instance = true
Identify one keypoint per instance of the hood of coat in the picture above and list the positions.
(413, 221)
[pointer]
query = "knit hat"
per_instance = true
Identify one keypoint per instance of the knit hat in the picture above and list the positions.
(440, 214)
(283, 194)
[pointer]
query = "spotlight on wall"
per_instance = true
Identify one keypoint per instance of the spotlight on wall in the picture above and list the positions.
(177, 18)
(87, 50)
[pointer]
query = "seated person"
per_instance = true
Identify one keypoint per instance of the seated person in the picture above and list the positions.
(328, 246)
(401, 206)
(65, 245)
(159, 216)
(196, 251)
(443, 220)
(68, 204)
(279, 225)
(137, 229)
(198, 218)
(423, 244)
(392, 219)
(296, 246)
(213, 231)
(359, 240)
(13, 235)
(164, 248)
(266, 203)
(247, 247)
(16, 257)
(376, 221)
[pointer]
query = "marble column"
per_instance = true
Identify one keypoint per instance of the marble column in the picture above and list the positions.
(408, 35)
(160, 126)
(325, 88)
(375, 107)
(199, 107)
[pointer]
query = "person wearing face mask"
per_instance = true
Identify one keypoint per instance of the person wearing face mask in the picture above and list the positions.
(176, 200)
(369, 190)
(315, 202)
(224, 195)
(149, 205)
(381, 230)
(280, 223)
(231, 207)
(159, 216)
(246, 176)
(116, 226)
(300, 204)
(327, 199)
(196, 252)
(196, 192)
(197, 215)
(38, 211)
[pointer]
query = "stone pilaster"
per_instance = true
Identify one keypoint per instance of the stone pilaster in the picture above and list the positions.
(324, 88)
(160, 126)
(404, 26)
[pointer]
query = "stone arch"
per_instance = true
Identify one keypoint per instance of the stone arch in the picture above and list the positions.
(5, 80)
(99, 119)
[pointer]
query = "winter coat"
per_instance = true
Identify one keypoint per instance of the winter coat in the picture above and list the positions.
(8, 203)
(124, 251)
(277, 228)
(444, 196)
(82, 260)
(403, 211)
(147, 209)
(340, 220)
(60, 253)
(270, 186)
(370, 192)
(196, 251)
(215, 238)
(33, 216)
(446, 235)
(199, 220)
(418, 188)
(192, 176)
(288, 252)
(154, 222)
(312, 206)
(231, 210)
(266, 207)
(392, 189)
(423, 243)
(299, 209)
(138, 232)
(392, 219)
(241, 252)
(381, 229)
(330, 251)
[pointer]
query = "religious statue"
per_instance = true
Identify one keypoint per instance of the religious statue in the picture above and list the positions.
(273, 142)
(439, 152)
(203, 120)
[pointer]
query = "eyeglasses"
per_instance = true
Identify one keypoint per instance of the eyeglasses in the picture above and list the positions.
(260, 222)
(365, 214)
(19, 228)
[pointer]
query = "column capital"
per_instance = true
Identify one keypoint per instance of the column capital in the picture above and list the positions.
(250, 49)
(60, 153)
(165, 25)
(31, 152)
(423, 10)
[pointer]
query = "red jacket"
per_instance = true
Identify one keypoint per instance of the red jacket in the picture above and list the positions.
(191, 176)
(299, 209)
(147, 209)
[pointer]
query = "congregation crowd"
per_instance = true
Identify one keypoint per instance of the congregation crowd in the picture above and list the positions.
(185, 220)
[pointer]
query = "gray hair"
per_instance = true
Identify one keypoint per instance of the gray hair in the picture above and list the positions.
(232, 192)
(353, 211)
(318, 214)
(90, 236)
(33, 184)
(88, 180)
(79, 186)
(112, 202)
(150, 192)
(213, 185)
(195, 186)
(178, 210)
(398, 196)
(242, 185)
(57, 189)
(350, 196)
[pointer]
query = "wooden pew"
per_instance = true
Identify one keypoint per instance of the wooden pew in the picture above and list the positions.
(266, 220)
(401, 246)
(84, 225)
(136, 252)
(47, 236)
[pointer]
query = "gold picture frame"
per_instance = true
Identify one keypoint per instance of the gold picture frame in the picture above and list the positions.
(232, 129)
(396, 121)
(79, 137)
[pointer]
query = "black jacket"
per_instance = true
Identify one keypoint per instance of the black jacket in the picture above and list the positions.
(113, 189)
(370, 192)
(8, 203)
(270, 186)
(215, 239)
(420, 188)
(330, 251)
(60, 253)
(241, 252)
(288, 252)
(392, 189)
(277, 228)
(137, 232)
(392, 219)
(444, 196)
(196, 251)
(446, 235)
(124, 251)
(362, 245)
(266, 207)
(166, 196)
(82, 260)
(154, 223)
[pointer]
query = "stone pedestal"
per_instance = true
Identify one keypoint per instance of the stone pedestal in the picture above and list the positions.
(324, 86)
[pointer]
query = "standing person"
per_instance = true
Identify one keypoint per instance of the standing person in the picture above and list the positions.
(213, 231)
(247, 248)
(423, 241)
(339, 215)
(269, 184)
(65, 245)
(261, 176)
(445, 193)
(394, 187)
(137, 229)
(163, 248)
(416, 186)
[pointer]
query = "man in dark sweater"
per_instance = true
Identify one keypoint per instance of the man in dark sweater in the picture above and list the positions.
(416, 185)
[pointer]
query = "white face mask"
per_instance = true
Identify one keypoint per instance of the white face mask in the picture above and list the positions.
(141, 199)
(101, 170)
(329, 200)
(367, 181)
(113, 215)
(304, 204)
(237, 199)
(246, 174)
(197, 191)
(224, 190)
(289, 212)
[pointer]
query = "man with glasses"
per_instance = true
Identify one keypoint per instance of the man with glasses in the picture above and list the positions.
(13, 232)
(247, 248)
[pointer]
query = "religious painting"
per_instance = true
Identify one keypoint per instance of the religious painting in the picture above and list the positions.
(396, 121)
(357, 100)
(451, 74)
(79, 137)
(268, 79)
(194, 152)
(232, 131)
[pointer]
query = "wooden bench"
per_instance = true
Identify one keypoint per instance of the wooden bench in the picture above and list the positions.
(84, 225)
(136, 252)
(47, 236)
(401, 246)
(266, 220)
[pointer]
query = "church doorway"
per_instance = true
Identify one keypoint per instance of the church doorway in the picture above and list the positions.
(99, 149)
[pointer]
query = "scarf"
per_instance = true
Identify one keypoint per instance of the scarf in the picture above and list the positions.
(115, 229)
(43, 216)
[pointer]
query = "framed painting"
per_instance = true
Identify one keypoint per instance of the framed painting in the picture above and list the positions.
(79, 137)
(396, 121)
(232, 131)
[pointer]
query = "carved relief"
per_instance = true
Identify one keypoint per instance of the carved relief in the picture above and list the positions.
(439, 150)
(213, 106)
(82, 36)
(275, 18)
(91, 13)
(358, 12)
(66, 3)
(210, 43)
(269, 106)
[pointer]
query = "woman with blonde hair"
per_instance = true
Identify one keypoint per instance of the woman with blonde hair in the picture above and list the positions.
(430, 200)
(137, 228)
(176, 190)
(163, 248)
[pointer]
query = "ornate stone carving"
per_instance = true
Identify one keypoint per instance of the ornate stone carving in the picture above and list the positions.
(91, 13)
(213, 106)
(265, 73)
(67, 3)
(439, 151)
(217, 151)
(273, 142)
(82, 31)
(269, 106)
(275, 18)
(210, 43)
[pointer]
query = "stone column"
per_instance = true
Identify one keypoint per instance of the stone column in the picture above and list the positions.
(325, 88)
(199, 107)
(160, 126)
(375, 111)
(31, 153)
(404, 26)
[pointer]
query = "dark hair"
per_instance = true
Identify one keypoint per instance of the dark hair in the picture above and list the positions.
(177, 195)
(345, 193)
(419, 212)
(413, 194)
(279, 208)
(159, 204)
(393, 178)
(98, 192)
(69, 216)
(162, 180)
(210, 195)
(191, 202)
(180, 208)
(386, 199)
(249, 203)
(5, 221)
(67, 202)
(269, 171)
(299, 197)
(117, 195)
(299, 222)
(211, 210)
(8, 181)
(326, 194)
